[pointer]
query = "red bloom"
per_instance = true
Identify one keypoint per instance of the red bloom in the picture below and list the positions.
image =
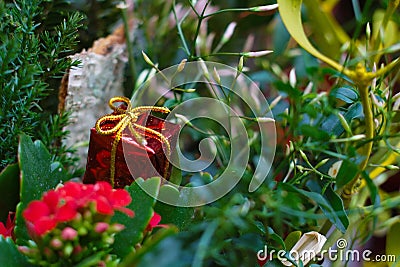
(8, 229)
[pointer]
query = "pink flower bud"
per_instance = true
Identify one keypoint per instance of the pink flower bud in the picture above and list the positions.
(117, 227)
(56, 243)
(101, 227)
(69, 233)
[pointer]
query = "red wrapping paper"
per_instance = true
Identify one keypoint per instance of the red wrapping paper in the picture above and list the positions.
(131, 159)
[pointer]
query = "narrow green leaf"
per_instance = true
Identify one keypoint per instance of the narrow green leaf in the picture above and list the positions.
(9, 190)
(333, 200)
(38, 175)
(373, 189)
(142, 204)
(334, 214)
(10, 256)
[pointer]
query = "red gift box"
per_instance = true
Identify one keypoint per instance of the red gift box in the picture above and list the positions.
(132, 159)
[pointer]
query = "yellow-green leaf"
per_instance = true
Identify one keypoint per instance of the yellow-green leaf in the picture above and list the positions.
(327, 32)
(292, 239)
(392, 242)
(290, 11)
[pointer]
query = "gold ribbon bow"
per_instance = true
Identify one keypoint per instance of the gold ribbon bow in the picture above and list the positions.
(128, 118)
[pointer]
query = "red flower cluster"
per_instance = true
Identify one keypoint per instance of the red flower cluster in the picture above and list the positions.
(64, 203)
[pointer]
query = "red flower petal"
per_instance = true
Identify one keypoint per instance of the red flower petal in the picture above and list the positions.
(3, 230)
(10, 220)
(51, 198)
(154, 222)
(66, 212)
(36, 210)
(44, 225)
(103, 206)
(120, 198)
(127, 211)
(103, 188)
(156, 219)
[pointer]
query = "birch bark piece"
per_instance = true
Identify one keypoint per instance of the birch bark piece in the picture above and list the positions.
(86, 89)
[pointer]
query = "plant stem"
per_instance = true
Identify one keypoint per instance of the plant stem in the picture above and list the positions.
(351, 187)
(179, 28)
(201, 17)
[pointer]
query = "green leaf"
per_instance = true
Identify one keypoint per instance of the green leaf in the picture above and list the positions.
(274, 236)
(332, 123)
(333, 200)
(333, 211)
(290, 11)
(10, 256)
(38, 175)
(314, 132)
(347, 172)
(181, 217)
(142, 204)
(346, 94)
(9, 190)
(392, 241)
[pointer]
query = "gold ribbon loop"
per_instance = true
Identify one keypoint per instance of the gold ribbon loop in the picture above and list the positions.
(127, 118)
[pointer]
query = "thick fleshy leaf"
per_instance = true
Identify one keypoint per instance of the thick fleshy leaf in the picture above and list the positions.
(179, 216)
(9, 190)
(10, 256)
(142, 205)
(290, 11)
(38, 175)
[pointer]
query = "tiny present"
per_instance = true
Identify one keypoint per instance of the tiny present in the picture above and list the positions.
(130, 143)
